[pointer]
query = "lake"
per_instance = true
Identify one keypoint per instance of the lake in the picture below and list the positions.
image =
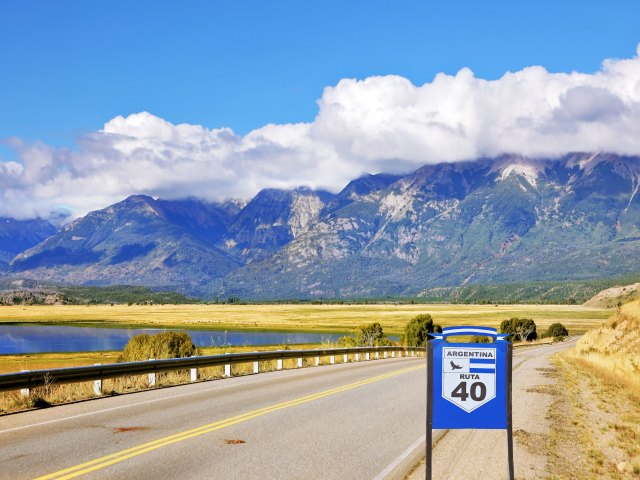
(18, 339)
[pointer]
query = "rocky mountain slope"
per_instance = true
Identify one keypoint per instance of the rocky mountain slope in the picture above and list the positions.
(19, 235)
(509, 219)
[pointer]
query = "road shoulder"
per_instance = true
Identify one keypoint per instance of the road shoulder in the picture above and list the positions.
(482, 453)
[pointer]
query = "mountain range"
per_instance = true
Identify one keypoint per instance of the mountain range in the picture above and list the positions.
(487, 221)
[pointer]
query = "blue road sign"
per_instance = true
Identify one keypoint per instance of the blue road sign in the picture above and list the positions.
(469, 386)
(469, 380)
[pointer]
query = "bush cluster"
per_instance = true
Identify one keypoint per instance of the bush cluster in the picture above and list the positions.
(557, 330)
(163, 345)
(519, 329)
(417, 331)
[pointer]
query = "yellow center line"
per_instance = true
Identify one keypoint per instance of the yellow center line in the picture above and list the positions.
(122, 455)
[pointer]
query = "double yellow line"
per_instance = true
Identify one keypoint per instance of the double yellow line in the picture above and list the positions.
(128, 453)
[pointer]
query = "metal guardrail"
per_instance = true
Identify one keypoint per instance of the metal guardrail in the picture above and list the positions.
(36, 378)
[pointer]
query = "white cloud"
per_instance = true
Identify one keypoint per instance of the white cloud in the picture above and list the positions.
(371, 125)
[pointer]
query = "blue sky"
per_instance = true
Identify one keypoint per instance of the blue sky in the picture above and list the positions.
(67, 67)
(101, 100)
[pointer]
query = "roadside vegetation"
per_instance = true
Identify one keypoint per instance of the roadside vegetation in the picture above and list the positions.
(162, 345)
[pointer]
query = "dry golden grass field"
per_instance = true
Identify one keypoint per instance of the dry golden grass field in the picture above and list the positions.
(323, 318)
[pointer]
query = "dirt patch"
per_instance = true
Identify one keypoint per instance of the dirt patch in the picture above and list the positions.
(535, 443)
(546, 389)
(234, 442)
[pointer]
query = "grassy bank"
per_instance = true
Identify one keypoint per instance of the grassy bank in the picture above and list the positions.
(325, 318)
(597, 403)
(614, 349)
(57, 394)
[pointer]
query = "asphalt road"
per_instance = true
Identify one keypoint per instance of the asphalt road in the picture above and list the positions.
(340, 421)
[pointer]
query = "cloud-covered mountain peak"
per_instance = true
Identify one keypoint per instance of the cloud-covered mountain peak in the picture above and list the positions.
(445, 224)
(527, 168)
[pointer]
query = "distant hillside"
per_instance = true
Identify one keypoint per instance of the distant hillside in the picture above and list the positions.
(29, 293)
(575, 292)
(456, 231)
(614, 296)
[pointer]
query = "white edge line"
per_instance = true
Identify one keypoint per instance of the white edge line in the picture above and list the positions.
(403, 456)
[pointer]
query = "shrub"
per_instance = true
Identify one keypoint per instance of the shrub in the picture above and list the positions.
(418, 329)
(370, 335)
(162, 345)
(557, 330)
(519, 329)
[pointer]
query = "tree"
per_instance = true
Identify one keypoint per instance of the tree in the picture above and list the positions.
(370, 335)
(418, 329)
(557, 330)
(519, 329)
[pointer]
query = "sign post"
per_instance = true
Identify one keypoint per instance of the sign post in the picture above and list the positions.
(469, 385)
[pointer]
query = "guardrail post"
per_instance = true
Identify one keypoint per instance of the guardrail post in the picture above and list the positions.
(357, 357)
(385, 354)
(194, 373)
(413, 353)
(367, 356)
(25, 392)
(300, 362)
(256, 367)
(332, 359)
(393, 353)
(97, 385)
(227, 367)
(345, 358)
(279, 364)
(151, 378)
(317, 361)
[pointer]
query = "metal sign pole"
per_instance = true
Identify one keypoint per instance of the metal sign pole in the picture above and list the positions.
(509, 410)
(429, 410)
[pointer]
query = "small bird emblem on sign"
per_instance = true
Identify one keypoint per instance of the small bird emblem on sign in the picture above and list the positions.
(455, 367)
